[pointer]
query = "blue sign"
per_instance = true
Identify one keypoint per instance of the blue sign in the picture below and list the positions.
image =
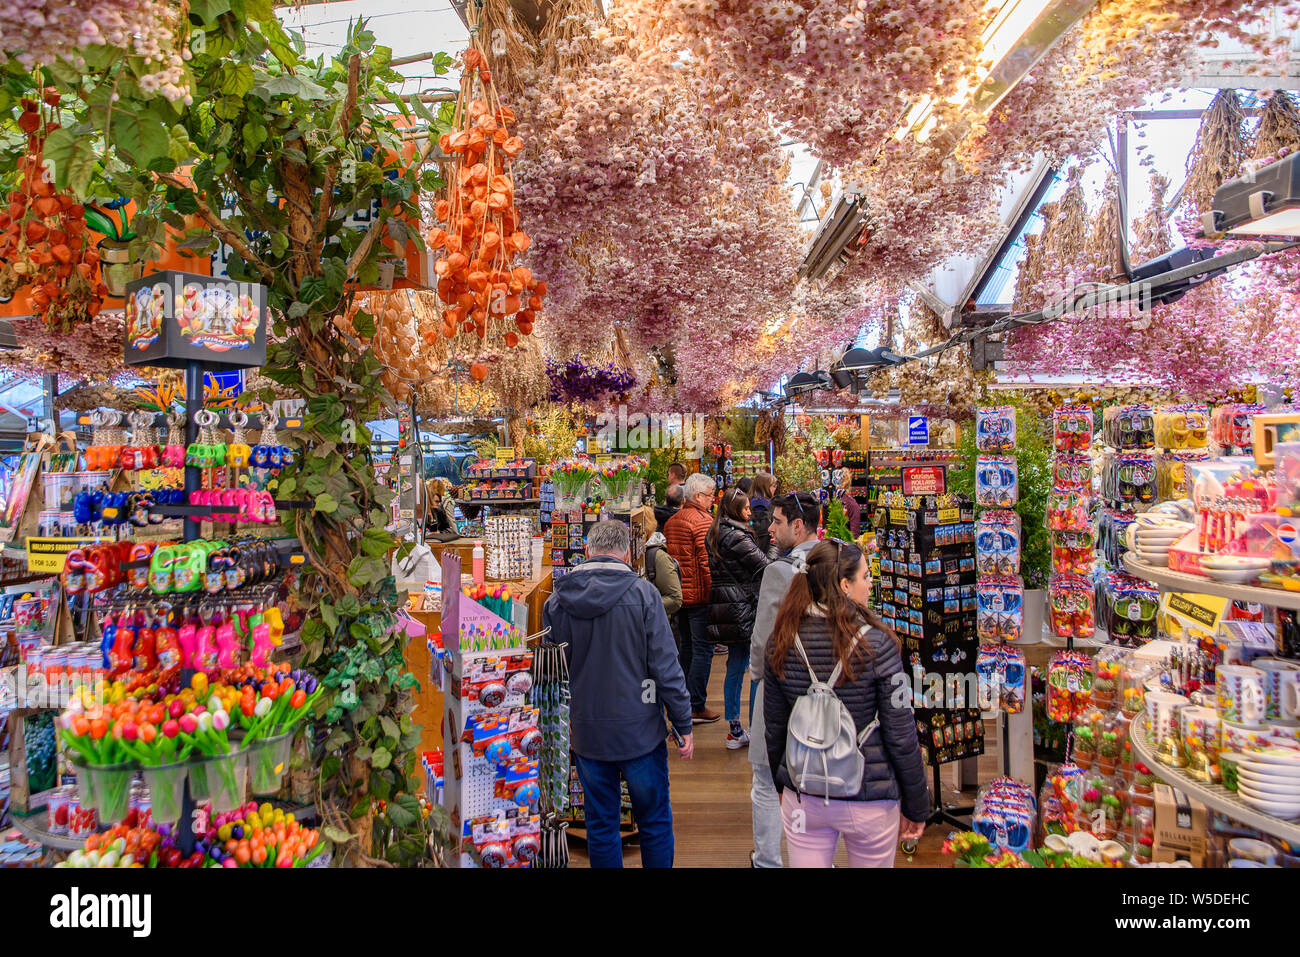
(918, 430)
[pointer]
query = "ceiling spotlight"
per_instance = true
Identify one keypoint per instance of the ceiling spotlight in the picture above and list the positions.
(804, 382)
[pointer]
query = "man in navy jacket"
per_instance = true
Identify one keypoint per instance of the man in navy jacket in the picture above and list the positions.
(623, 676)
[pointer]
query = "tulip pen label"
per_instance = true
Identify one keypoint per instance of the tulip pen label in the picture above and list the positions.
(46, 555)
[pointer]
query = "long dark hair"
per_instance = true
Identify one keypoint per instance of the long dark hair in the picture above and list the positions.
(827, 563)
(732, 506)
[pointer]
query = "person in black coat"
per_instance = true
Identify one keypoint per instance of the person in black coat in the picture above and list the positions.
(674, 498)
(736, 565)
(761, 493)
(826, 610)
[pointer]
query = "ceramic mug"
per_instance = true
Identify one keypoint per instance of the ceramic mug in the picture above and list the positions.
(1239, 737)
(1201, 730)
(1249, 849)
(1239, 694)
(1287, 728)
(1277, 672)
(1289, 695)
(1162, 713)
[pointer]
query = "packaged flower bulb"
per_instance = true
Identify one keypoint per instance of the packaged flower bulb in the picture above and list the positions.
(1069, 686)
(1072, 552)
(995, 429)
(1014, 678)
(1070, 600)
(1072, 428)
(1129, 479)
(997, 483)
(1067, 509)
(989, 671)
(1071, 470)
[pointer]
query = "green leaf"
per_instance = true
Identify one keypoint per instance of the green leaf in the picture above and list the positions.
(139, 139)
(325, 503)
(381, 759)
(237, 79)
(208, 11)
(338, 835)
(73, 159)
(399, 816)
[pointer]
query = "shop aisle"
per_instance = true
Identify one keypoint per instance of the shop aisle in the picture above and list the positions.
(711, 809)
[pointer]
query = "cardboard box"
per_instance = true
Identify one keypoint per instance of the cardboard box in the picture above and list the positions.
(1181, 824)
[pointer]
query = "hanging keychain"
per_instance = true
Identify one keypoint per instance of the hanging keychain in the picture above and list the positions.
(238, 452)
(267, 454)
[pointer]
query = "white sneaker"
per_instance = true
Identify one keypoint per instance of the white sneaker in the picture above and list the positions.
(737, 741)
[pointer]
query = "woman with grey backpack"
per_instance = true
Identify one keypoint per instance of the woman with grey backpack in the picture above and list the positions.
(837, 706)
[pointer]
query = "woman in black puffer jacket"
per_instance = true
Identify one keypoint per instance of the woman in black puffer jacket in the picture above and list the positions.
(826, 610)
(736, 565)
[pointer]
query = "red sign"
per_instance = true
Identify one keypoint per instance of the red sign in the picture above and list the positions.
(923, 480)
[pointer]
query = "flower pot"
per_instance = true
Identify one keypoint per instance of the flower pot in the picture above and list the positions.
(1107, 765)
(221, 779)
(109, 789)
(116, 266)
(1083, 760)
(166, 790)
(1102, 699)
(268, 760)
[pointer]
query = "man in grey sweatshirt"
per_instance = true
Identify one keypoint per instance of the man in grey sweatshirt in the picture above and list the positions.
(795, 518)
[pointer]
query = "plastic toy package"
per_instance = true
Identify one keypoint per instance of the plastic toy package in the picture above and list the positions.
(1072, 428)
(1172, 473)
(1129, 427)
(1112, 529)
(1129, 479)
(997, 483)
(995, 429)
(1001, 676)
(1182, 427)
(997, 543)
(1006, 814)
(1231, 426)
(1130, 606)
(1070, 598)
(1000, 609)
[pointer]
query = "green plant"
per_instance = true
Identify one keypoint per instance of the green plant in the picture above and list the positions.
(300, 144)
(837, 522)
(552, 434)
(737, 427)
(1084, 741)
(1109, 744)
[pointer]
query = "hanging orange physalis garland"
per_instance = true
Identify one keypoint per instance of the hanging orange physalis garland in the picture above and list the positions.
(477, 285)
(44, 241)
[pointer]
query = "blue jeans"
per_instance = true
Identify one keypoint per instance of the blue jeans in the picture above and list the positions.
(737, 667)
(697, 633)
(753, 693)
(647, 786)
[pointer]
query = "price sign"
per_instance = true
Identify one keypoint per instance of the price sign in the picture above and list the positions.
(46, 555)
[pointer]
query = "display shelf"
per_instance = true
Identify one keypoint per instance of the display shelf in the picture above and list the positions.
(33, 828)
(477, 502)
(1214, 795)
(1179, 581)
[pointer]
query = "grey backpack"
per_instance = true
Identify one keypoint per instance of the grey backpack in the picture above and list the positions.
(823, 749)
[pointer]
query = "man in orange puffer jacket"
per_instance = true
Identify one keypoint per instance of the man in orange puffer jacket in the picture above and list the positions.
(685, 533)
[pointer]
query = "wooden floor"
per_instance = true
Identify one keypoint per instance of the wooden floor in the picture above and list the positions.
(711, 806)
